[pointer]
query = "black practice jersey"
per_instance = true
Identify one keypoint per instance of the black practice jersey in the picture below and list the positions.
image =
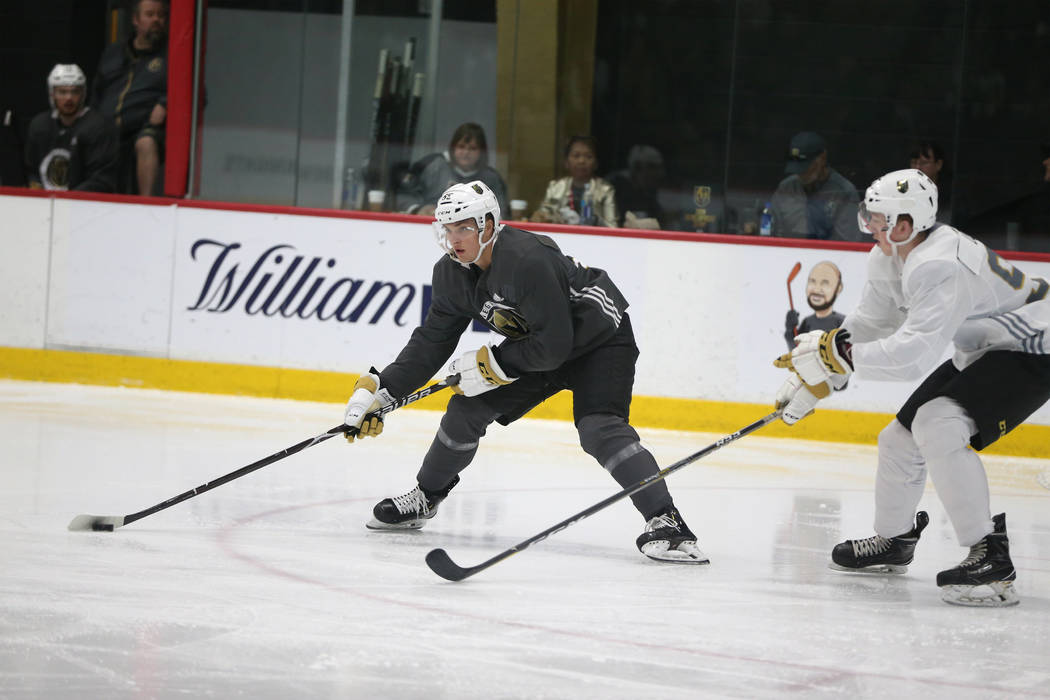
(549, 308)
(78, 157)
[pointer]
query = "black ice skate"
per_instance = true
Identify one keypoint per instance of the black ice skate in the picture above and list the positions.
(668, 538)
(879, 555)
(984, 578)
(408, 512)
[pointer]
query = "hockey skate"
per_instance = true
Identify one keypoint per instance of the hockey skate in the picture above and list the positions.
(668, 538)
(879, 555)
(410, 511)
(985, 577)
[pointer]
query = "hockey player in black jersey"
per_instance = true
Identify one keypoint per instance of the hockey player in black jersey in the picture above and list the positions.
(565, 326)
(70, 146)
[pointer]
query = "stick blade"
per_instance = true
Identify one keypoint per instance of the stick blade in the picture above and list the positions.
(441, 564)
(96, 523)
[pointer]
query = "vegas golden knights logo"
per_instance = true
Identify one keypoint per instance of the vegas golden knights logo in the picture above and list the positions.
(477, 188)
(58, 173)
(902, 186)
(509, 323)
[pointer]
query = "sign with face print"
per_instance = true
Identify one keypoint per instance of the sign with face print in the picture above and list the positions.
(335, 293)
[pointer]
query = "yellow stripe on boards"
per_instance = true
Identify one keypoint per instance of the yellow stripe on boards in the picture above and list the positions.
(1029, 440)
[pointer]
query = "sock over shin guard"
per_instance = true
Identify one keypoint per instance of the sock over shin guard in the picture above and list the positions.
(453, 449)
(615, 444)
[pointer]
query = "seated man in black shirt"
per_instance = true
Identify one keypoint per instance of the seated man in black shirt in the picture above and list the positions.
(131, 90)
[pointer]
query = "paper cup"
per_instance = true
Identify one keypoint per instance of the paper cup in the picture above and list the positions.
(375, 200)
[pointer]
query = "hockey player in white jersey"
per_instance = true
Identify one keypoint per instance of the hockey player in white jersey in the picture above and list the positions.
(930, 285)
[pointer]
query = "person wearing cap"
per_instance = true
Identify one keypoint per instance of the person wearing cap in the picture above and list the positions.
(70, 146)
(814, 201)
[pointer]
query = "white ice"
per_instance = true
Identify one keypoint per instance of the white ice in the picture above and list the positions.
(270, 586)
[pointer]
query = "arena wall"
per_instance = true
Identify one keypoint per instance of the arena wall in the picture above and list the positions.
(294, 303)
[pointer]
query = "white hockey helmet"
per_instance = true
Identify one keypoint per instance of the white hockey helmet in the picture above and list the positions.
(471, 200)
(909, 192)
(64, 75)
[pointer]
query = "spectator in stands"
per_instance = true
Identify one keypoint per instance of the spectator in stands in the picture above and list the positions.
(637, 189)
(928, 156)
(465, 160)
(814, 201)
(581, 197)
(131, 90)
(70, 146)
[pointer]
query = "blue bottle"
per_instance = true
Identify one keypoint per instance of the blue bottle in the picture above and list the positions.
(585, 206)
(765, 226)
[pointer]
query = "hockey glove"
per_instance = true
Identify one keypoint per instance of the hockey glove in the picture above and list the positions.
(796, 399)
(366, 399)
(819, 355)
(478, 372)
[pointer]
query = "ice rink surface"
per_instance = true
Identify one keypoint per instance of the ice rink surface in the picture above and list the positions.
(270, 586)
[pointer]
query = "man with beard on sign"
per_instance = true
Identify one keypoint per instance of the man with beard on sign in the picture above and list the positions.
(822, 289)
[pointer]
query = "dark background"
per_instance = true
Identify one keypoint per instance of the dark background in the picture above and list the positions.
(720, 87)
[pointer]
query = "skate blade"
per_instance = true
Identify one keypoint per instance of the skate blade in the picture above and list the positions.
(685, 553)
(998, 594)
(374, 524)
(873, 570)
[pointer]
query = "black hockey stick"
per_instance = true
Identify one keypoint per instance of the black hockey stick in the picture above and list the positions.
(108, 523)
(441, 564)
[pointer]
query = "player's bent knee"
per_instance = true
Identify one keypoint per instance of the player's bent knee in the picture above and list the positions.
(941, 427)
(466, 419)
(602, 435)
(895, 437)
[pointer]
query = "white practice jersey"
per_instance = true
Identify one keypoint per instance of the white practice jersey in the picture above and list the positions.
(951, 289)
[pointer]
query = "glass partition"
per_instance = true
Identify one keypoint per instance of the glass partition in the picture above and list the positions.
(694, 101)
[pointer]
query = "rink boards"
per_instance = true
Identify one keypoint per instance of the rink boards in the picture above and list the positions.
(281, 303)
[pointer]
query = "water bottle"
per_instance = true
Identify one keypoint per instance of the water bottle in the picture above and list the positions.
(349, 190)
(765, 226)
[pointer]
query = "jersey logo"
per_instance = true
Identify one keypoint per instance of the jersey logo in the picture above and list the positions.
(509, 323)
(902, 186)
(54, 169)
(504, 319)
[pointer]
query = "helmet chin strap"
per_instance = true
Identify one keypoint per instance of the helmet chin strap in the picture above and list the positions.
(896, 245)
